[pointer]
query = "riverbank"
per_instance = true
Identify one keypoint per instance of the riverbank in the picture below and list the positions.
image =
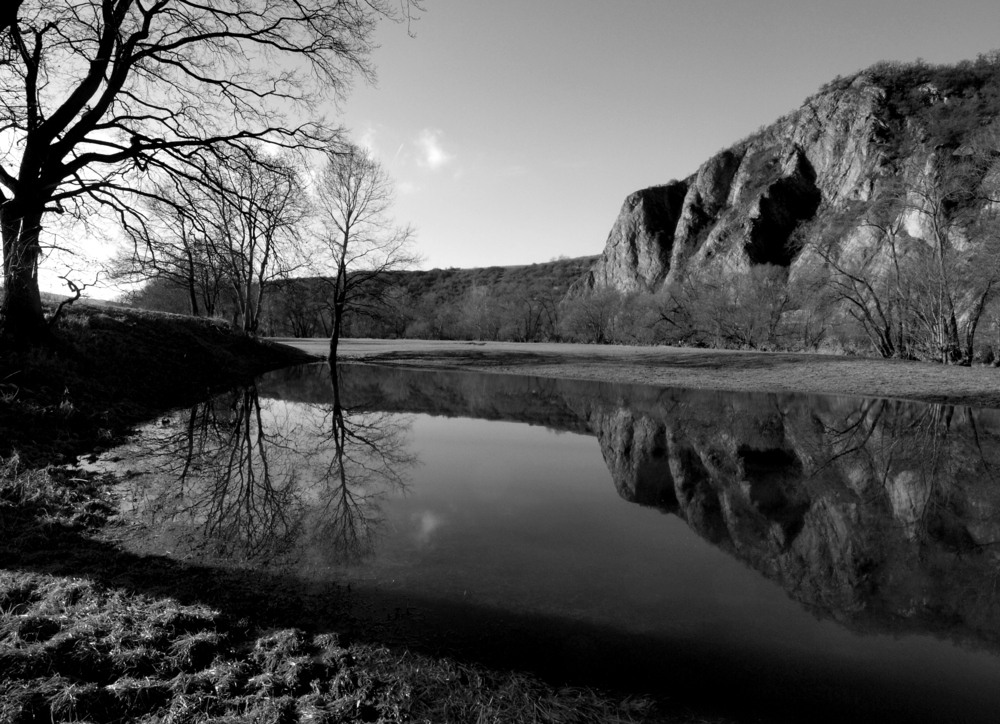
(689, 368)
(113, 368)
(92, 629)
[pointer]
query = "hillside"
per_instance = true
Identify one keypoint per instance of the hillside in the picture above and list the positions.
(451, 284)
(515, 302)
(875, 197)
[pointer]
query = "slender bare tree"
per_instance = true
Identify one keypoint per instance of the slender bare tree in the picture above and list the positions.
(360, 244)
(96, 94)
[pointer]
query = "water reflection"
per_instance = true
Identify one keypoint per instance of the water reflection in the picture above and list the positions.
(881, 514)
(261, 480)
(360, 457)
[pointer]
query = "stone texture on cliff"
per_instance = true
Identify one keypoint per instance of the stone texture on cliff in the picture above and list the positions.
(637, 253)
(742, 206)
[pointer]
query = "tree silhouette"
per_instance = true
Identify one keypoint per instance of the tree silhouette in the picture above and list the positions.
(95, 95)
(359, 246)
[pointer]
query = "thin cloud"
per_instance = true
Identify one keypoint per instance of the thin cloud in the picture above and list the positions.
(432, 153)
(367, 139)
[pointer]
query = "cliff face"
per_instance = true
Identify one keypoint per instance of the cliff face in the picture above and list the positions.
(642, 239)
(743, 205)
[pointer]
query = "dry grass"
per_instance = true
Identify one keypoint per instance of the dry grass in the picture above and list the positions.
(690, 368)
(72, 650)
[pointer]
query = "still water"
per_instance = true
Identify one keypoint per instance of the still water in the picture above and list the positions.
(778, 557)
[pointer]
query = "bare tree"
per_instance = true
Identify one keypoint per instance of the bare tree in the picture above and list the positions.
(254, 211)
(870, 280)
(359, 243)
(917, 264)
(591, 317)
(956, 202)
(236, 228)
(96, 94)
(171, 246)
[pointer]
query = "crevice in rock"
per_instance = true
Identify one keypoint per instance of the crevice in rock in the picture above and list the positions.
(783, 205)
(772, 476)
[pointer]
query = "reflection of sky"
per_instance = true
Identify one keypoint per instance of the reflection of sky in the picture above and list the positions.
(534, 521)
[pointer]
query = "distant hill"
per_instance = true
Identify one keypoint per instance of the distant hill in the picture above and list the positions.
(448, 285)
(51, 299)
(497, 302)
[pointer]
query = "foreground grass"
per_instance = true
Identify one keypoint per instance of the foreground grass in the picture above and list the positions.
(90, 632)
(89, 647)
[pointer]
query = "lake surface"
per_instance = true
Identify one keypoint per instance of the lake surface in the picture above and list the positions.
(765, 556)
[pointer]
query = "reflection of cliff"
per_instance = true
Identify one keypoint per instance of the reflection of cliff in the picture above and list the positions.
(884, 515)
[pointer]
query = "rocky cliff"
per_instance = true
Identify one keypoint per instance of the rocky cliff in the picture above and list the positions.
(743, 205)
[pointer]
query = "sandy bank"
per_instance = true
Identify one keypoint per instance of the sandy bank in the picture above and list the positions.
(692, 368)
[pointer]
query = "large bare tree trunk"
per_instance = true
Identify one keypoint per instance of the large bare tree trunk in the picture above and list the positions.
(21, 317)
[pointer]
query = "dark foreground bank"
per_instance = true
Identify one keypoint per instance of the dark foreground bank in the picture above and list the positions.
(91, 631)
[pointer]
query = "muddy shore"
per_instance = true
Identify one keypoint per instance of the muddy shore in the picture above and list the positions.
(689, 368)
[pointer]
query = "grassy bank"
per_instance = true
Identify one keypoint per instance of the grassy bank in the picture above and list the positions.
(113, 368)
(92, 631)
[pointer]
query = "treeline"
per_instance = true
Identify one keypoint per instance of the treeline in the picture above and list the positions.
(758, 310)
(519, 303)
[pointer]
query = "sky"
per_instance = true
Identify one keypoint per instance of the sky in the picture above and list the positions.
(514, 130)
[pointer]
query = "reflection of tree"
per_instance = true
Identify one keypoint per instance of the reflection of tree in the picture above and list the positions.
(228, 476)
(259, 480)
(917, 457)
(369, 459)
(251, 503)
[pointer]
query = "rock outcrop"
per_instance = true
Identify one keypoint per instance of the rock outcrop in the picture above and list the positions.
(642, 239)
(744, 205)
